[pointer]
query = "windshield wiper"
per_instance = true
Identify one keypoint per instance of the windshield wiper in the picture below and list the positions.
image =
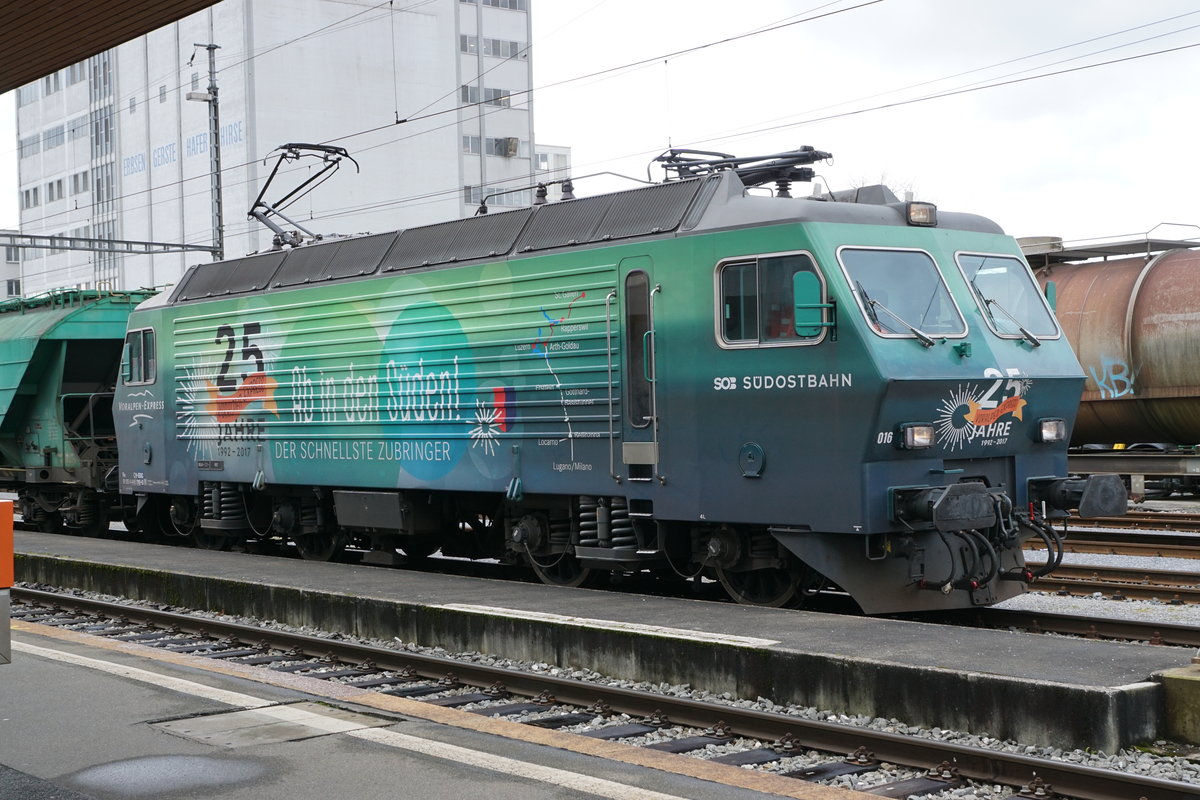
(1025, 334)
(870, 304)
(873, 304)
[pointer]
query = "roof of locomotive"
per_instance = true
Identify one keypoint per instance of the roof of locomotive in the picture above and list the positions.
(675, 208)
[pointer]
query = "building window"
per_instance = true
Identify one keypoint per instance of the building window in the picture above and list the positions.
(497, 48)
(102, 132)
(100, 70)
(30, 198)
(12, 254)
(515, 5)
(79, 182)
(195, 81)
(506, 146)
(474, 195)
(30, 146)
(162, 94)
(53, 137)
(27, 94)
(543, 162)
(77, 128)
(501, 48)
(51, 84)
(102, 184)
(497, 97)
(491, 97)
(14, 287)
(76, 73)
(54, 191)
(132, 105)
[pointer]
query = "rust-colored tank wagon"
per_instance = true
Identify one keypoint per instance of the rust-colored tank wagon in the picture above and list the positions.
(1132, 313)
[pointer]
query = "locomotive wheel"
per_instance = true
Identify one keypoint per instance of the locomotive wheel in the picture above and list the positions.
(143, 528)
(561, 570)
(419, 548)
(321, 545)
(210, 541)
(775, 587)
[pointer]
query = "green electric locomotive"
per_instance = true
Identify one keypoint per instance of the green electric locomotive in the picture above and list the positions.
(697, 378)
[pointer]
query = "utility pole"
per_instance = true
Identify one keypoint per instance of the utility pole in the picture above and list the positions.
(214, 148)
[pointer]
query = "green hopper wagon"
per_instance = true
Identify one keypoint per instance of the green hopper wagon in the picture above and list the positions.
(59, 357)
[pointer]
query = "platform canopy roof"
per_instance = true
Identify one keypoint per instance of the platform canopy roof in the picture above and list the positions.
(38, 37)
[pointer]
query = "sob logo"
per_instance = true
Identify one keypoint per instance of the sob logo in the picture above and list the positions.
(982, 413)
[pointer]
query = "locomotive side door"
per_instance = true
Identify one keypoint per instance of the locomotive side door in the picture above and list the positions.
(640, 452)
(140, 412)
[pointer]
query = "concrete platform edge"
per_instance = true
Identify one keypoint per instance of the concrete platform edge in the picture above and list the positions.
(1104, 718)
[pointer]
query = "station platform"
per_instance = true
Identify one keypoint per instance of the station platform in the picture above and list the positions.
(1035, 689)
(89, 718)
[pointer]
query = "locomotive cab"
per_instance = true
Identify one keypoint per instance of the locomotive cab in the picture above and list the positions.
(977, 388)
(900, 428)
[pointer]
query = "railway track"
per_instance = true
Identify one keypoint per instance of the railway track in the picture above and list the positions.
(1142, 520)
(573, 705)
(1164, 541)
(1156, 633)
(1122, 583)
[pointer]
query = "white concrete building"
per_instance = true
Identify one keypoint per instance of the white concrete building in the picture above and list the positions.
(10, 271)
(430, 97)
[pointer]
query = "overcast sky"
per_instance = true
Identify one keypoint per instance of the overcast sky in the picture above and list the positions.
(1096, 151)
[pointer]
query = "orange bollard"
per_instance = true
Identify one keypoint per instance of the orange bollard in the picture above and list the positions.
(6, 544)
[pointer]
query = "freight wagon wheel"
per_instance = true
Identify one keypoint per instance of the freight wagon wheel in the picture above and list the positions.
(49, 522)
(95, 528)
(321, 545)
(775, 587)
(561, 570)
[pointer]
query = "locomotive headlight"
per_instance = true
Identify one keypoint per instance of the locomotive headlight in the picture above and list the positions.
(924, 214)
(915, 436)
(1052, 430)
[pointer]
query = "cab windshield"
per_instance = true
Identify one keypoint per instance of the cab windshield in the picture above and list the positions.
(901, 292)
(1007, 295)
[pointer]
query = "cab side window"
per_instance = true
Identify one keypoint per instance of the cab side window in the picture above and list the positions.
(139, 358)
(757, 303)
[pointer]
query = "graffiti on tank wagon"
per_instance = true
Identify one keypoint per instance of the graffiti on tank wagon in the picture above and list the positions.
(1114, 378)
